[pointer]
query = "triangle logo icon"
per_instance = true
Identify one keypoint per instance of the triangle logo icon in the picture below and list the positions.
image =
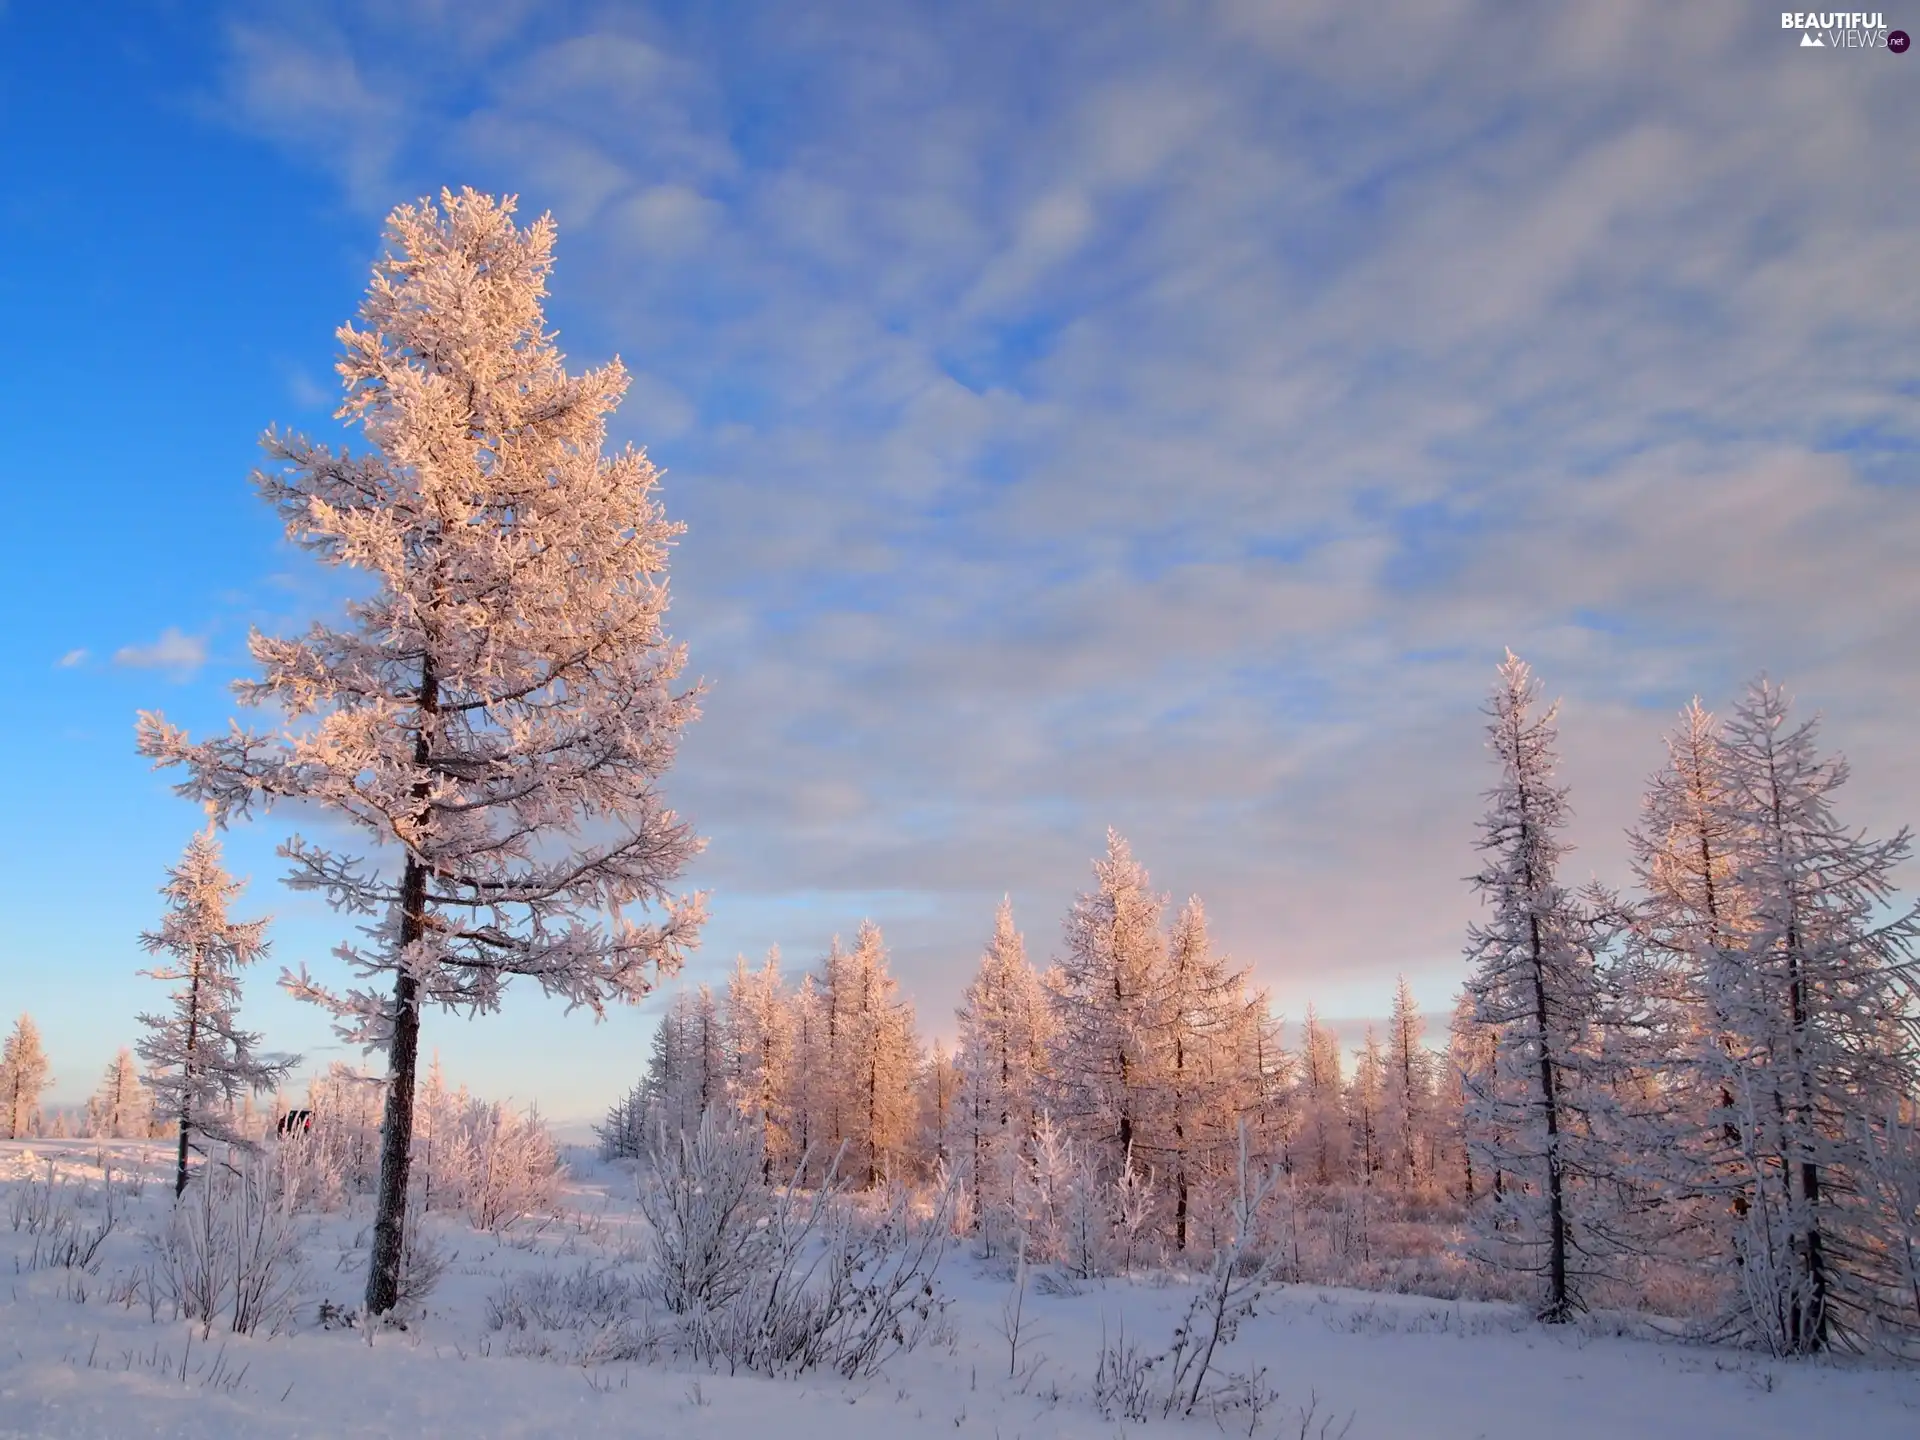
(1808, 42)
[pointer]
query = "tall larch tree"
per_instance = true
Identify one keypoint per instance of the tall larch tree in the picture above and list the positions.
(1323, 1141)
(1366, 1105)
(24, 1074)
(831, 1076)
(806, 1020)
(1192, 1130)
(202, 1061)
(883, 1057)
(1267, 1102)
(760, 1056)
(501, 704)
(1006, 1029)
(687, 1066)
(1110, 1004)
(1685, 1139)
(1533, 984)
(1407, 1092)
(118, 1110)
(1468, 1070)
(1816, 1034)
(940, 1115)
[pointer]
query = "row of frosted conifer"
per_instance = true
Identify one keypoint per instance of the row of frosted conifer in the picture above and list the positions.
(1712, 1077)
(121, 1108)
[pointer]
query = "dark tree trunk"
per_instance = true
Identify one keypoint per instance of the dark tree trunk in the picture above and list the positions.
(403, 1052)
(396, 1138)
(873, 1116)
(767, 1097)
(186, 1080)
(1559, 1307)
(1810, 1323)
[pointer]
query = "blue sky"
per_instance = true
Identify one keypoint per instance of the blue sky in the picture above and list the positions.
(1157, 416)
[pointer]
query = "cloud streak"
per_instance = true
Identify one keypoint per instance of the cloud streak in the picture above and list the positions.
(174, 651)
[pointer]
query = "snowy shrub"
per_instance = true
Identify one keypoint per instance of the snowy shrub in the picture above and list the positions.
(423, 1260)
(35, 1203)
(341, 1144)
(48, 1209)
(703, 1198)
(1133, 1383)
(310, 1173)
(584, 1316)
(1083, 1222)
(828, 1287)
(1133, 1214)
(230, 1250)
(778, 1280)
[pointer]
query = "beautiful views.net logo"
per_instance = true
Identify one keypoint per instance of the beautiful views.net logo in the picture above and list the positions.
(1844, 30)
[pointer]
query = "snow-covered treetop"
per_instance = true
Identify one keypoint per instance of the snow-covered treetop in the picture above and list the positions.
(503, 703)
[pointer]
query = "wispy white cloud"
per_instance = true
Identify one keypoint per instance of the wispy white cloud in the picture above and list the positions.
(174, 650)
(307, 392)
(72, 659)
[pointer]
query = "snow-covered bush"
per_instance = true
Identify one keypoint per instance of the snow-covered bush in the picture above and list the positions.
(703, 1197)
(584, 1316)
(423, 1260)
(310, 1172)
(777, 1280)
(230, 1248)
(49, 1210)
(829, 1287)
(1133, 1383)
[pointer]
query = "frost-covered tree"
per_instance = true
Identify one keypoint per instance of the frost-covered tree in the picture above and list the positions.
(687, 1065)
(1192, 1130)
(881, 1058)
(1006, 1028)
(759, 1038)
(1890, 1185)
(1267, 1102)
(1533, 983)
(1468, 1070)
(1365, 1106)
(830, 1079)
(24, 1074)
(623, 1134)
(202, 1061)
(438, 1155)
(1110, 1006)
(118, 1110)
(940, 1115)
(1680, 1134)
(1805, 1034)
(1323, 1139)
(499, 707)
(1406, 1100)
(805, 1120)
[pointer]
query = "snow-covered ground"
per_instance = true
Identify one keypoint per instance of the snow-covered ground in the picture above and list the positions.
(81, 1356)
